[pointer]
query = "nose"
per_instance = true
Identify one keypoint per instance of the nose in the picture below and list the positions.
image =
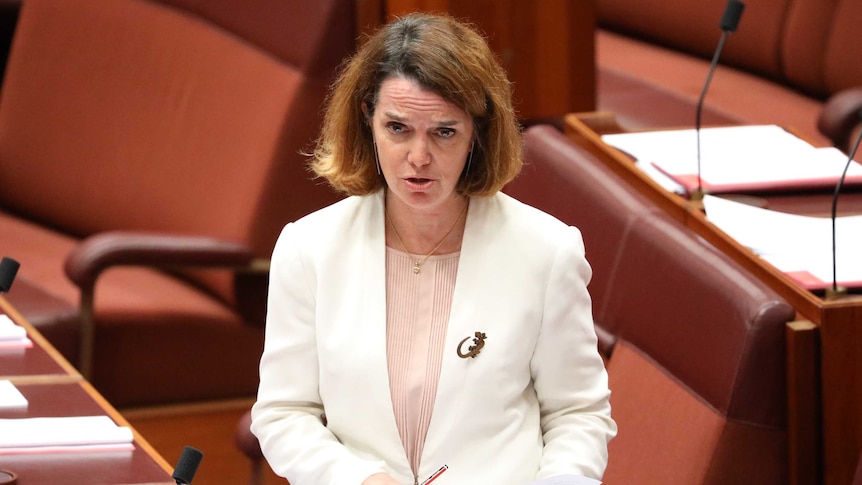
(419, 154)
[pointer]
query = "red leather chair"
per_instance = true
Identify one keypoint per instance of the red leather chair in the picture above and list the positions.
(568, 183)
(248, 444)
(150, 152)
(697, 367)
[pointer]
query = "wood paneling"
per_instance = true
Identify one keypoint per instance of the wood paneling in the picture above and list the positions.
(547, 47)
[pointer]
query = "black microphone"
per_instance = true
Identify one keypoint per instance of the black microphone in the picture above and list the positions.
(732, 14)
(8, 270)
(187, 465)
(836, 291)
(729, 23)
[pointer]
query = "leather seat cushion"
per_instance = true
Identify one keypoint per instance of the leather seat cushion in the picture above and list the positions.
(149, 324)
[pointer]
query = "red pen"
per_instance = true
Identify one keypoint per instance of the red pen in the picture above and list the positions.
(435, 475)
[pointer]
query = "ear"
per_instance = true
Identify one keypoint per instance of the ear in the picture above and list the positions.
(366, 111)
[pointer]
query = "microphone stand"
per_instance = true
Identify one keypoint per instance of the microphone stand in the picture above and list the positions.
(838, 291)
(696, 195)
(729, 23)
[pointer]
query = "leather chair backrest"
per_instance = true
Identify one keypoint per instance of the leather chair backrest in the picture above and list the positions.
(670, 434)
(818, 48)
(697, 370)
(134, 115)
(693, 27)
(806, 44)
(310, 36)
(842, 69)
(570, 184)
(703, 318)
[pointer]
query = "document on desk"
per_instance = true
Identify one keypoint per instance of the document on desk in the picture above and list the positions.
(799, 246)
(11, 397)
(12, 336)
(63, 435)
(736, 159)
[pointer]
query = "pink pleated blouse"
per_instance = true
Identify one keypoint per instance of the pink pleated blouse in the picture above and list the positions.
(417, 315)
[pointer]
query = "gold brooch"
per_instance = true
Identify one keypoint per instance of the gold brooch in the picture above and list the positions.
(473, 350)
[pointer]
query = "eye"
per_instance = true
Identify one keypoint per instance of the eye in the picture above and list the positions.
(446, 132)
(395, 127)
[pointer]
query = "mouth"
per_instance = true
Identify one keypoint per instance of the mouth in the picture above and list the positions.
(418, 183)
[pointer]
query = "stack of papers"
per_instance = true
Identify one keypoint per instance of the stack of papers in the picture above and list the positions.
(11, 397)
(12, 336)
(62, 435)
(799, 246)
(735, 159)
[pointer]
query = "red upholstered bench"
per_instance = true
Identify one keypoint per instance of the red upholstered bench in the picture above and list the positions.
(781, 66)
(150, 153)
(697, 370)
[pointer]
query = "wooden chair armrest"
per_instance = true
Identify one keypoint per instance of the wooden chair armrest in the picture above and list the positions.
(97, 253)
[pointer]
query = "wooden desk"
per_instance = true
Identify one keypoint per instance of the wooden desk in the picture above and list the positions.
(824, 358)
(54, 388)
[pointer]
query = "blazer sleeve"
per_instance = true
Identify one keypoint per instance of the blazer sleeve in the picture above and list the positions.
(568, 373)
(286, 418)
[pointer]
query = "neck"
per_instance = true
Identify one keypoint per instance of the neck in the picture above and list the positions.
(424, 234)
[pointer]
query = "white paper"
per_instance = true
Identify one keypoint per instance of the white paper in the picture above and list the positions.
(77, 433)
(660, 178)
(753, 157)
(793, 243)
(11, 397)
(101, 448)
(12, 335)
(9, 330)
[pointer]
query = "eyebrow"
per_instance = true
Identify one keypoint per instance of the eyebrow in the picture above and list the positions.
(401, 119)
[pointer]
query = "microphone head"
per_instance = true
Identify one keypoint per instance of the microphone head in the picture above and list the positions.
(187, 465)
(732, 14)
(8, 270)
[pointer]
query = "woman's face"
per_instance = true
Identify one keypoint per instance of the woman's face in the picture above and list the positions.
(422, 142)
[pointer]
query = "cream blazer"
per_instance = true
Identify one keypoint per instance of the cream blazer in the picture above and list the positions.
(532, 404)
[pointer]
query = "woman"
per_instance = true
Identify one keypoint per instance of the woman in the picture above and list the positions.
(428, 323)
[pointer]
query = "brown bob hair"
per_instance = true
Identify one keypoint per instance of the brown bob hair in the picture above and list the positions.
(442, 55)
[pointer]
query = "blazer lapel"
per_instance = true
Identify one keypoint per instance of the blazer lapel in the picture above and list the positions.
(476, 259)
(370, 331)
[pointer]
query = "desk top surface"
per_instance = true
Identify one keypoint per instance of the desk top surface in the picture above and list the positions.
(836, 323)
(53, 388)
(585, 129)
(73, 399)
(28, 362)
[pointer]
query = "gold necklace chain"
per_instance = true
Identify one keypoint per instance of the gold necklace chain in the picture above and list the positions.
(417, 263)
